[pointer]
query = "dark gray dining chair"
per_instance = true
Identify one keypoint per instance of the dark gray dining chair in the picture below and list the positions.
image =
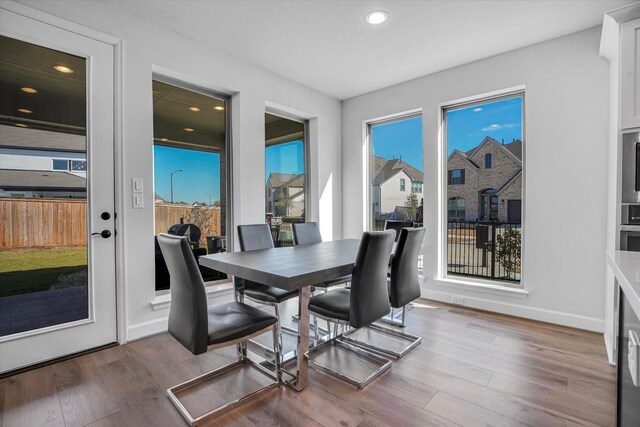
(366, 301)
(254, 237)
(397, 225)
(404, 287)
(307, 233)
(200, 328)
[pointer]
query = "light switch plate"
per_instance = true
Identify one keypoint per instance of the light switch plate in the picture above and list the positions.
(138, 201)
(137, 185)
(634, 345)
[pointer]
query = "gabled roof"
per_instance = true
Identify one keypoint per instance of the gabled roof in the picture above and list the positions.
(295, 181)
(279, 179)
(12, 179)
(34, 139)
(385, 169)
(511, 181)
(516, 147)
(464, 156)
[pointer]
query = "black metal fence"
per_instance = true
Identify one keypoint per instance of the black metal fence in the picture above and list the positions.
(474, 249)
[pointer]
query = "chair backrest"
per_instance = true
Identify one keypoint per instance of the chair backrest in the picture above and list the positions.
(254, 237)
(369, 292)
(305, 233)
(188, 311)
(397, 225)
(405, 286)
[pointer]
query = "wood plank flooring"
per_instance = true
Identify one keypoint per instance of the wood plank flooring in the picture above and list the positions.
(472, 368)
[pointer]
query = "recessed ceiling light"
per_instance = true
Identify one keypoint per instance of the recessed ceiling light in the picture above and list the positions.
(164, 139)
(188, 129)
(194, 109)
(219, 108)
(63, 69)
(22, 125)
(376, 17)
(25, 110)
(28, 90)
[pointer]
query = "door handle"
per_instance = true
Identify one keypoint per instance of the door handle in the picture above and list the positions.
(104, 233)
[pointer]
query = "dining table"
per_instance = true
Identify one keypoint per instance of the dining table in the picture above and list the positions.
(291, 268)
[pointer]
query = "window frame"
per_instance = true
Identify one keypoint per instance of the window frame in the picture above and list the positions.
(488, 160)
(451, 178)
(306, 154)
(229, 221)
(403, 185)
(367, 126)
(443, 109)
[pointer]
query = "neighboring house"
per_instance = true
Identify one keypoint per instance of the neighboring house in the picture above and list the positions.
(284, 189)
(485, 183)
(43, 164)
(393, 181)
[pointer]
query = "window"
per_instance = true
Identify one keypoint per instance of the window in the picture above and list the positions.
(285, 175)
(395, 150)
(456, 177)
(60, 165)
(190, 153)
(483, 199)
(456, 208)
(79, 165)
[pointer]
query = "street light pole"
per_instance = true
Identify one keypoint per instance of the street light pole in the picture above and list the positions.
(209, 198)
(172, 173)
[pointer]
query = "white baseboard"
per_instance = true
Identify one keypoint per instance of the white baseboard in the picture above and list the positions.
(145, 329)
(550, 316)
(608, 343)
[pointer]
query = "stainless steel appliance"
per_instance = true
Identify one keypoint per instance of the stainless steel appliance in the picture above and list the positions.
(630, 214)
(628, 366)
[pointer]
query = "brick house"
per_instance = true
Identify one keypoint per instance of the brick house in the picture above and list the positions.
(485, 183)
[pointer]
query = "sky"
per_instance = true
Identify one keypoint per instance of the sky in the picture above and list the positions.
(200, 174)
(467, 127)
(284, 158)
(401, 138)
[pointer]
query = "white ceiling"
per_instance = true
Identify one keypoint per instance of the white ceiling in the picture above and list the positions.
(327, 45)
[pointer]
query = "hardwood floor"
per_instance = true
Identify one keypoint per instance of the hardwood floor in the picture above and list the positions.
(472, 368)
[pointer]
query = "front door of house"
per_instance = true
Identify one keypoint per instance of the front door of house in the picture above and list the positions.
(57, 225)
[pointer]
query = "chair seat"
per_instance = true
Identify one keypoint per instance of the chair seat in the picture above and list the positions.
(234, 320)
(333, 304)
(266, 293)
(334, 282)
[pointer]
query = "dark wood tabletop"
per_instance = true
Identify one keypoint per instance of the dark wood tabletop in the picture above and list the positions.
(289, 267)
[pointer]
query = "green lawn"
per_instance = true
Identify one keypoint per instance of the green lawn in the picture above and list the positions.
(32, 270)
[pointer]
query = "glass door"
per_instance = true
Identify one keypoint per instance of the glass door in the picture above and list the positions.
(57, 250)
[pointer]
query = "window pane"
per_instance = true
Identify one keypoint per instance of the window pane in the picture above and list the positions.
(190, 174)
(484, 145)
(44, 275)
(396, 158)
(285, 176)
(79, 165)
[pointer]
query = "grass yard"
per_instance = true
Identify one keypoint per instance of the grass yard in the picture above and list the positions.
(32, 270)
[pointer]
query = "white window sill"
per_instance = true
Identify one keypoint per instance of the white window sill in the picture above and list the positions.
(162, 301)
(482, 287)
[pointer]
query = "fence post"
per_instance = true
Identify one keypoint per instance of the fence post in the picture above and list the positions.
(493, 250)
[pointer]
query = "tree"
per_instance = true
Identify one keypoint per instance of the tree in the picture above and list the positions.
(216, 203)
(284, 202)
(412, 204)
(508, 250)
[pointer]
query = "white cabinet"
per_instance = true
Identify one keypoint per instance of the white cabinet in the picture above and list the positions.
(630, 74)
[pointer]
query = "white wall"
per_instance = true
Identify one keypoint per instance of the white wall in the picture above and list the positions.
(566, 85)
(12, 158)
(390, 193)
(148, 47)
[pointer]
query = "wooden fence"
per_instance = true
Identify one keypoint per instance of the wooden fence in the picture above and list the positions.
(32, 223)
(205, 217)
(26, 223)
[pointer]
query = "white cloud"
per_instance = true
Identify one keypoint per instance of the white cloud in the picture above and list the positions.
(477, 109)
(496, 126)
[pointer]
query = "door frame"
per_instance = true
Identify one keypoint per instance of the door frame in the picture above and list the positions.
(118, 167)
